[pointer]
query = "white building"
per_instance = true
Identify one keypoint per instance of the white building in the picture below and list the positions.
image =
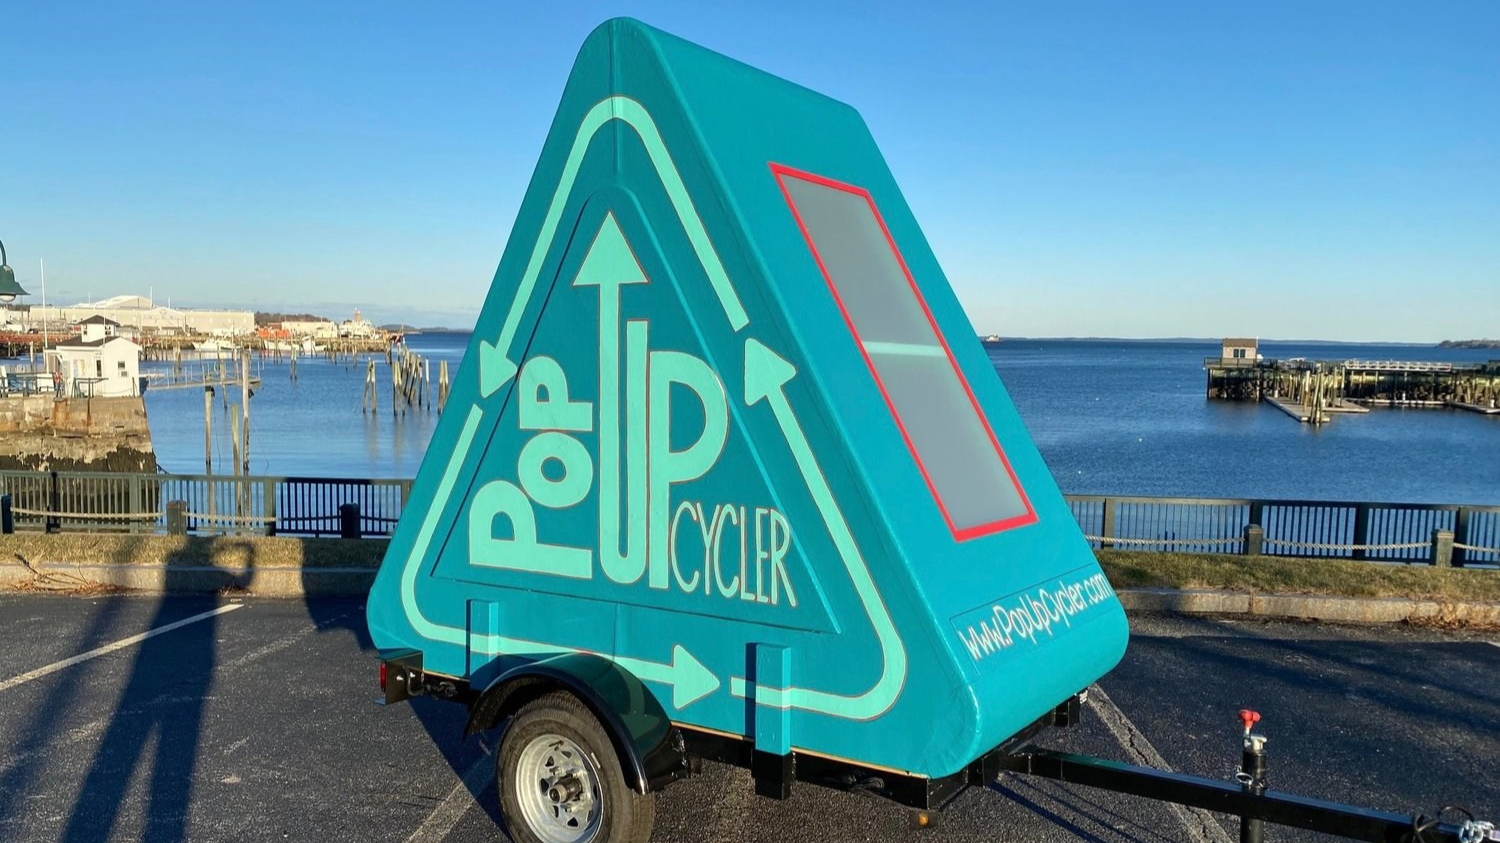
(98, 328)
(98, 363)
(358, 328)
(141, 314)
(323, 330)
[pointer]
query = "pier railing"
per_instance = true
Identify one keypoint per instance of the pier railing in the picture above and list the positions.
(208, 504)
(320, 506)
(1393, 532)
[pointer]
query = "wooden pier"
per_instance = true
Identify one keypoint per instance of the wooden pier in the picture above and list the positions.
(166, 347)
(158, 383)
(1311, 391)
(17, 345)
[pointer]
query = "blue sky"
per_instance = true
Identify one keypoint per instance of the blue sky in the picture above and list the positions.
(1296, 169)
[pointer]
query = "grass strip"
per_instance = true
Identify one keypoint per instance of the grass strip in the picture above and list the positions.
(1125, 569)
(1281, 575)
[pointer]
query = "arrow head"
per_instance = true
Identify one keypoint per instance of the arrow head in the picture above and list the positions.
(691, 681)
(495, 369)
(609, 261)
(765, 371)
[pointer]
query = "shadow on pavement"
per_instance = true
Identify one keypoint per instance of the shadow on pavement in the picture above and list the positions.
(443, 721)
(29, 755)
(156, 722)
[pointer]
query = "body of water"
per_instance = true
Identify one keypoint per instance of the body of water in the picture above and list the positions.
(1124, 418)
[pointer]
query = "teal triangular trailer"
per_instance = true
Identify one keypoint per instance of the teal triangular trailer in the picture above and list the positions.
(724, 426)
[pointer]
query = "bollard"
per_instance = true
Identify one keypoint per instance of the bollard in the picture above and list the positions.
(349, 521)
(7, 518)
(176, 518)
(1255, 540)
(1442, 548)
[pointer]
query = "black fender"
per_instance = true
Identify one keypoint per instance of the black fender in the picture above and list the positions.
(652, 751)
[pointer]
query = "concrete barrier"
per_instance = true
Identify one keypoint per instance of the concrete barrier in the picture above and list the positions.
(270, 567)
(1311, 607)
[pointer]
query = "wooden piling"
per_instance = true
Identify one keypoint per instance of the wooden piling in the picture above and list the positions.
(368, 400)
(245, 412)
(208, 430)
(234, 436)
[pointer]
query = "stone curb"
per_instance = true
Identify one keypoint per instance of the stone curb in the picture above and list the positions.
(355, 581)
(195, 579)
(1308, 606)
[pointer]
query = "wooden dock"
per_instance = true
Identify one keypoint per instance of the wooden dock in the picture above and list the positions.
(1306, 414)
(1311, 391)
(157, 384)
(1291, 408)
(1490, 410)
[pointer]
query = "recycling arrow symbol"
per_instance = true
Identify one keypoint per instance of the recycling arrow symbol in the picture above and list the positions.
(766, 375)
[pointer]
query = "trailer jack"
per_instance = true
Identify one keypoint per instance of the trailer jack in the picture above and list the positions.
(1248, 797)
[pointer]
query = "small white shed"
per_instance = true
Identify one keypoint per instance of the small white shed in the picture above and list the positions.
(107, 367)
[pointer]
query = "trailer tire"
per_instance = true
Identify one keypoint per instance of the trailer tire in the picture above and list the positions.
(560, 780)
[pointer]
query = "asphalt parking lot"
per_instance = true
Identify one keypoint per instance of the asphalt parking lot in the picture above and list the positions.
(256, 720)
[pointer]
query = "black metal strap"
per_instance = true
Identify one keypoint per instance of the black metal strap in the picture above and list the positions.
(1225, 797)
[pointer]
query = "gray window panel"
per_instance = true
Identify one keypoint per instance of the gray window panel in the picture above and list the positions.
(955, 450)
(852, 246)
(948, 437)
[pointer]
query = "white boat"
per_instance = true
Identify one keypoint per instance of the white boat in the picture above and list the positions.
(304, 345)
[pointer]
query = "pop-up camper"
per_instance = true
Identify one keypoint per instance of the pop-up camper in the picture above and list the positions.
(727, 473)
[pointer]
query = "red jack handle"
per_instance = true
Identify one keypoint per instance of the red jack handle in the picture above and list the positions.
(1249, 718)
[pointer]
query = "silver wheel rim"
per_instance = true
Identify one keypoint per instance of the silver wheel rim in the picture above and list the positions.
(558, 788)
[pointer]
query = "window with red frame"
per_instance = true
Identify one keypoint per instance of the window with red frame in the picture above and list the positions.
(947, 434)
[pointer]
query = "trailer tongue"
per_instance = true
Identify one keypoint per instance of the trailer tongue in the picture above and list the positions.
(1249, 798)
(725, 474)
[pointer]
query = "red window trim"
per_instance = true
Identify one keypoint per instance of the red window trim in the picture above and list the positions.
(781, 173)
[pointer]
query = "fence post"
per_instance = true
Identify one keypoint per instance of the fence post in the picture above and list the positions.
(269, 492)
(1461, 536)
(135, 524)
(1442, 548)
(7, 518)
(54, 523)
(1255, 540)
(177, 518)
(1107, 529)
(349, 521)
(1361, 529)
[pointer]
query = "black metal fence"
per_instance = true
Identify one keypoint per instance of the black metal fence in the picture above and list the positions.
(311, 506)
(142, 503)
(1392, 532)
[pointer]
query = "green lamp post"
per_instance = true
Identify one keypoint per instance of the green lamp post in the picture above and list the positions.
(9, 289)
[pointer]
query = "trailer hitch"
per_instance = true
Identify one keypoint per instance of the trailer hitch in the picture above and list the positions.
(1248, 797)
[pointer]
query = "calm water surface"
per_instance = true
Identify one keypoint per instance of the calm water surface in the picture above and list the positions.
(1110, 418)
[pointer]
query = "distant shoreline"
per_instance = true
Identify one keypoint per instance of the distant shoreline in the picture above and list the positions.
(408, 329)
(1216, 340)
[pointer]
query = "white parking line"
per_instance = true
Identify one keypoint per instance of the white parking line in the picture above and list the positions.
(445, 816)
(90, 731)
(110, 648)
(1201, 825)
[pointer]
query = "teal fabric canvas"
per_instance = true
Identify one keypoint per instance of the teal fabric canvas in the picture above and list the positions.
(724, 422)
